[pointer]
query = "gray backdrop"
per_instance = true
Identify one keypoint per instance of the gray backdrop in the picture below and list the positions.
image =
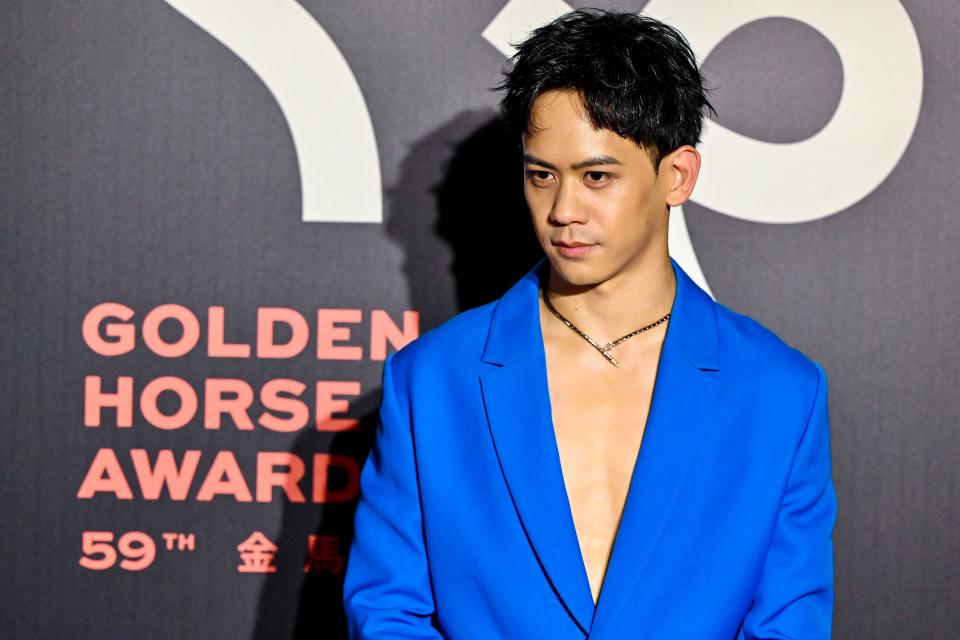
(142, 162)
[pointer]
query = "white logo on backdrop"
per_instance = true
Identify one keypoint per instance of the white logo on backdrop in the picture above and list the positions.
(796, 182)
(789, 183)
(318, 95)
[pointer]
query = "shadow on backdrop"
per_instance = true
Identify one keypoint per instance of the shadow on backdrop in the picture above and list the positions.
(469, 171)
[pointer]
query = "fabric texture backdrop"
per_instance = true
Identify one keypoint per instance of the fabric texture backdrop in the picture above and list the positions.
(143, 162)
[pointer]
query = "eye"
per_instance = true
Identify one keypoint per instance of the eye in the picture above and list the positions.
(538, 177)
(597, 177)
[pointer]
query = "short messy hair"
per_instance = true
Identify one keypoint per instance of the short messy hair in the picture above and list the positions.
(636, 75)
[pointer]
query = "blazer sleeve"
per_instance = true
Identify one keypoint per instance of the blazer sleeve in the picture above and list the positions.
(387, 592)
(794, 599)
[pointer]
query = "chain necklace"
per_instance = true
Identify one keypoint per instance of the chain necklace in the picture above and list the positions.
(604, 350)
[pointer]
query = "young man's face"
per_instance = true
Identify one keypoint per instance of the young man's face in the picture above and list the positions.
(586, 185)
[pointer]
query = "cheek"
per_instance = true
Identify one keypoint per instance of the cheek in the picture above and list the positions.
(538, 204)
(534, 196)
(623, 220)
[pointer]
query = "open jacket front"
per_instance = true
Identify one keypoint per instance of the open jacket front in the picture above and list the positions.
(464, 529)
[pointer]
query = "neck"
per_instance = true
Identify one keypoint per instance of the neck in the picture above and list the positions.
(634, 297)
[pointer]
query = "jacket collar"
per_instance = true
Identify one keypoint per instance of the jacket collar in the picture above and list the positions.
(515, 326)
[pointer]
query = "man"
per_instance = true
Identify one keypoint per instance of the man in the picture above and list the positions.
(605, 450)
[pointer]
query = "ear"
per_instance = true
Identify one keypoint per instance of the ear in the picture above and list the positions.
(680, 169)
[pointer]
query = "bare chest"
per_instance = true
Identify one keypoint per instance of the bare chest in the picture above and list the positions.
(599, 417)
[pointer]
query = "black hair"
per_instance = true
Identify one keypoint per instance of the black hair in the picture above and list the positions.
(636, 76)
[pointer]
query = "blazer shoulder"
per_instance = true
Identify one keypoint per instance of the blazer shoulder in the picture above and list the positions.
(756, 351)
(452, 343)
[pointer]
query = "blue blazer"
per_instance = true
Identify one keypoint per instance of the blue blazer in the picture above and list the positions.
(463, 528)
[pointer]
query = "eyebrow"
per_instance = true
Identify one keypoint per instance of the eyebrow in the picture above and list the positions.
(589, 162)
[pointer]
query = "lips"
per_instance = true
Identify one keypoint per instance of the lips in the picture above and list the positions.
(573, 249)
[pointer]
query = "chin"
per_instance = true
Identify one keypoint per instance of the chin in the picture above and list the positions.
(577, 273)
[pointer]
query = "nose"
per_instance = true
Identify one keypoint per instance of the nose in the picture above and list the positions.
(566, 208)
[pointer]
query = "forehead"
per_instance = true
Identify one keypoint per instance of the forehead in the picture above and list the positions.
(560, 127)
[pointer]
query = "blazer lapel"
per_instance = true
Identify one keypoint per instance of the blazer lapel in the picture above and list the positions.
(517, 400)
(682, 407)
